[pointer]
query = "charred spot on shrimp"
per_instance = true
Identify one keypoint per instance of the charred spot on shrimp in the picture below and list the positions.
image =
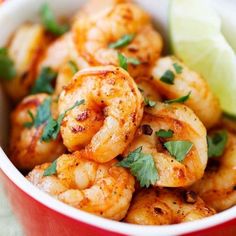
(77, 129)
(82, 116)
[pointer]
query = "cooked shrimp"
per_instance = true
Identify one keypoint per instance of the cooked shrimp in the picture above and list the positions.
(185, 127)
(148, 89)
(201, 100)
(57, 54)
(26, 148)
(93, 34)
(102, 189)
(106, 123)
(92, 7)
(217, 187)
(163, 206)
(25, 49)
(65, 76)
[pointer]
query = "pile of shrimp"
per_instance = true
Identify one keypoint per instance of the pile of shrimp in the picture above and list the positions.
(72, 138)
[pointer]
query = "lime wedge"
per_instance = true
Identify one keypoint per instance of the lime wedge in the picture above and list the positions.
(196, 38)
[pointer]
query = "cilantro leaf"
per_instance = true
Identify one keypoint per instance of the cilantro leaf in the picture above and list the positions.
(31, 123)
(42, 115)
(164, 133)
(52, 128)
(178, 149)
(73, 66)
(51, 170)
(50, 23)
(49, 130)
(44, 80)
(179, 100)
(217, 143)
(168, 77)
(122, 61)
(7, 69)
(149, 102)
(122, 42)
(133, 61)
(178, 68)
(142, 166)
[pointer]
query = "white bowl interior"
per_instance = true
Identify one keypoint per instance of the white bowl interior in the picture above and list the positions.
(14, 13)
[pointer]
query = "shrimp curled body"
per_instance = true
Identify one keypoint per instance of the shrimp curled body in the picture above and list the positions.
(185, 127)
(102, 189)
(93, 34)
(201, 99)
(217, 187)
(163, 206)
(26, 147)
(106, 123)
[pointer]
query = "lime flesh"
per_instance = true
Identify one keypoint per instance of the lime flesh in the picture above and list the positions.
(196, 38)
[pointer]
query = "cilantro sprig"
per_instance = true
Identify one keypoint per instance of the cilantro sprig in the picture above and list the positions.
(7, 69)
(43, 83)
(149, 103)
(142, 166)
(124, 61)
(178, 149)
(73, 66)
(178, 68)
(52, 128)
(168, 77)
(50, 23)
(179, 100)
(162, 133)
(42, 115)
(51, 170)
(217, 143)
(122, 42)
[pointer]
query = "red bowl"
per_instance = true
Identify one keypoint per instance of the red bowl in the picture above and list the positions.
(41, 214)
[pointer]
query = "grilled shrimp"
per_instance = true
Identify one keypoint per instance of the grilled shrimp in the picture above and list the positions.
(56, 54)
(185, 126)
(217, 187)
(26, 148)
(102, 189)
(163, 206)
(25, 50)
(185, 81)
(147, 88)
(65, 76)
(106, 123)
(93, 34)
(94, 6)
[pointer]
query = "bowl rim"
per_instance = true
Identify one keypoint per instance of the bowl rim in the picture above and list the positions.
(130, 229)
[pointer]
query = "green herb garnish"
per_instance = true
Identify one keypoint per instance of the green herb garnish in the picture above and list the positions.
(217, 143)
(122, 42)
(149, 102)
(7, 69)
(133, 61)
(52, 128)
(178, 68)
(50, 23)
(179, 100)
(168, 77)
(124, 61)
(142, 166)
(164, 133)
(42, 115)
(73, 67)
(44, 80)
(51, 170)
(178, 149)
